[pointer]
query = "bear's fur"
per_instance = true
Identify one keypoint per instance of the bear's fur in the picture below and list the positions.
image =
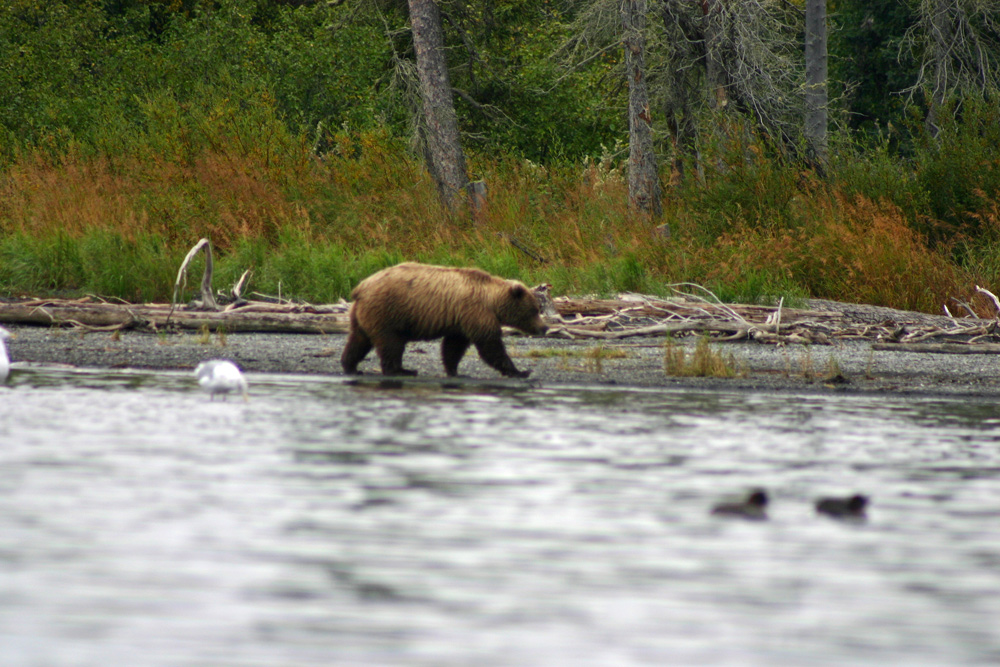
(421, 302)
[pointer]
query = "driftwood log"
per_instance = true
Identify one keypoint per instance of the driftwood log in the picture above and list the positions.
(628, 316)
(940, 348)
(91, 314)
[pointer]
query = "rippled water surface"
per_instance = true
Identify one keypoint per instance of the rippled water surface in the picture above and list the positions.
(327, 524)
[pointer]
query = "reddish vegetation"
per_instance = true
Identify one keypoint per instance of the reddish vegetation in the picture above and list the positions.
(368, 198)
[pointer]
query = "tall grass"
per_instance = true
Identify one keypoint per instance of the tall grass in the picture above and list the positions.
(313, 227)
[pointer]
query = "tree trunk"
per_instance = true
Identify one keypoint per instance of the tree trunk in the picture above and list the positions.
(816, 91)
(643, 177)
(684, 133)
(439, 130)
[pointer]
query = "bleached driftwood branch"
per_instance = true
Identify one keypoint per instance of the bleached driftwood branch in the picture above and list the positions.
(238, 287)
(207, 299)
(695, 310)
(991, 296)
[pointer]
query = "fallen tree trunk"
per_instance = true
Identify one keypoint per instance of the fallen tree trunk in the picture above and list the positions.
(940, 348)
(703, 326)
(258, 317)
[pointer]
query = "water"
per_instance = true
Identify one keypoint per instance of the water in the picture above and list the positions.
(327, 524)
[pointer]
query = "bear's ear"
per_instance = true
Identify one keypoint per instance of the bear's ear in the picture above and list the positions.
(518, 292)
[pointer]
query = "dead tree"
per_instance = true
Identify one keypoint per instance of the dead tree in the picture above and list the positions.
(816, 90)
(728, 62)
(960, 45)
(644, 189)
(439, 129)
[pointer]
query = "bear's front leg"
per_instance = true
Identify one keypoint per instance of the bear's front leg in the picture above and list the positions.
(494, 353)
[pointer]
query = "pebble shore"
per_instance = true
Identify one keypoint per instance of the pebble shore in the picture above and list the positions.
(851, 366)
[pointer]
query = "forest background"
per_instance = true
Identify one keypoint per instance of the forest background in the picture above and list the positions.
(287, 132)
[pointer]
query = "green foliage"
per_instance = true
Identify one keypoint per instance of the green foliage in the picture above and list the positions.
(761, 285)
(868, 63)
(502, 262)
(51, 54)
(746, 182)
(99, 263)
(302, 268)
(874, 171)
(325, 78)
(525, 102)
(133, 270)
(959, 171)
(39, 265)
(110, 76)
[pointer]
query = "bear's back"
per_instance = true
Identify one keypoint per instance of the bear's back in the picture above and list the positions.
(418, 281)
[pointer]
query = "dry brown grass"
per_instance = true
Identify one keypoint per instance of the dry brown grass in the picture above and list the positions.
(703, 361)
(859, 251)
(368, 198)
(220, 196)
(38, 197)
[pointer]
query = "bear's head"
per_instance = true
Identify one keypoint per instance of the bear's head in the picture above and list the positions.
(519, 308)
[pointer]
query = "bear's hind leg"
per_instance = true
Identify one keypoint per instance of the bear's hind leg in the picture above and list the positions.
(453, 348)
(357, 348)
(390, 353)
(493, 353)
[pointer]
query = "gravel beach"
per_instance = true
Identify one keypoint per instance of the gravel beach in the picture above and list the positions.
(851, 366)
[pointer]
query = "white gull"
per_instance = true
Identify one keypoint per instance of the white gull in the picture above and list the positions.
(220, 376)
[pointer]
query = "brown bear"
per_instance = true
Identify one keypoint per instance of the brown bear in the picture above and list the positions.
(413, 301)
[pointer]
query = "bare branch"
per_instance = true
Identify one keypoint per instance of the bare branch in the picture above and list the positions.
(207, 300)
(958, 42)
(990, 295)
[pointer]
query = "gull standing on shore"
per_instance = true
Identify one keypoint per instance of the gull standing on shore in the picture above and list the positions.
(220, 376)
